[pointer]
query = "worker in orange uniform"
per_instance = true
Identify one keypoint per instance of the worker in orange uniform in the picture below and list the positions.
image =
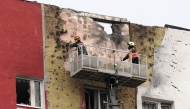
(134, 51)
(78, 44)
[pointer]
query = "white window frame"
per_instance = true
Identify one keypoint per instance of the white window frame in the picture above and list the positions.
(159, 103)
(167, 104)
(98, 89)
(32, 93)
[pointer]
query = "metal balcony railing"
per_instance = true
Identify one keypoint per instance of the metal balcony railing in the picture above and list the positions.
(100, 62)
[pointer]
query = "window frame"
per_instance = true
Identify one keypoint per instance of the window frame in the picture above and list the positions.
(166, 104)
(32, 93)
(99, 90)
(160, 103)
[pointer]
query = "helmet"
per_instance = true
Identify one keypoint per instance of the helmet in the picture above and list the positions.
(131, 44)
(77, 38)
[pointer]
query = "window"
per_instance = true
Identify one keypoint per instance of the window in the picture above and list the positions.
(149, 105)
(165, 106)
(146, 104)
(94, 98)
(29, 92)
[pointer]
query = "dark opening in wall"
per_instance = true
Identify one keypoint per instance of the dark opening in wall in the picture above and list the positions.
(23, 91)
(92, 100)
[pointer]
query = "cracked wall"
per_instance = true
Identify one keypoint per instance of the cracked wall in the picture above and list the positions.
(62, 90)
(146, 39)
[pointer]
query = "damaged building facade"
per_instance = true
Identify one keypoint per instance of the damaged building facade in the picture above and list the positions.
(36, 66)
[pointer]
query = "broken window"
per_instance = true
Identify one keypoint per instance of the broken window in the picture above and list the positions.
(94, 98)
(23, 91)
(28, 92)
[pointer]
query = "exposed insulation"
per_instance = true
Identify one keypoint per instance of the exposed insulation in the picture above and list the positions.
(64, 92)
(146, 39)
(127, 96)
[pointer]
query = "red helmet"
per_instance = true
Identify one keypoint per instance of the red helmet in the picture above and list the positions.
(77, 38)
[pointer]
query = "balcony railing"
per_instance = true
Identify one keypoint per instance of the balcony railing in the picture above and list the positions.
(100, 62)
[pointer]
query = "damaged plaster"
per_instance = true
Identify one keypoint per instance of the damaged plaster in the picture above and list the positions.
(146, 39)
(170, 76)
(62, 90)
(171, 63)
(92, 33)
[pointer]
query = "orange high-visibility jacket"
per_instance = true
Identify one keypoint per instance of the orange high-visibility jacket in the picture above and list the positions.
(132, 51)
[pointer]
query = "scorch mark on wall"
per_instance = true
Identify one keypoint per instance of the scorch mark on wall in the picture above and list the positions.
(92, 33)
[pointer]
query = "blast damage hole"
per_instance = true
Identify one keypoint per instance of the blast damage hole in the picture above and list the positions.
(106, 27)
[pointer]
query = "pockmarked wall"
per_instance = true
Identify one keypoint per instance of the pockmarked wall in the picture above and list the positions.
(167, 50)
(59, 24)
(92, 33)
(146, 39)
(171, 68)
(21, 47)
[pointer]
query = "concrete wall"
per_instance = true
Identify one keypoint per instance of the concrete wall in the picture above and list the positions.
(169, 74)
(62, 90)
(21, 50)
(171, 68)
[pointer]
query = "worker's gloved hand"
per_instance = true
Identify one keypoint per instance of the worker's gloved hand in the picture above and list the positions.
(65, 41)
(67, 44)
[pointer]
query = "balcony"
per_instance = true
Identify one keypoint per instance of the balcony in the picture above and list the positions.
(100, 62)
